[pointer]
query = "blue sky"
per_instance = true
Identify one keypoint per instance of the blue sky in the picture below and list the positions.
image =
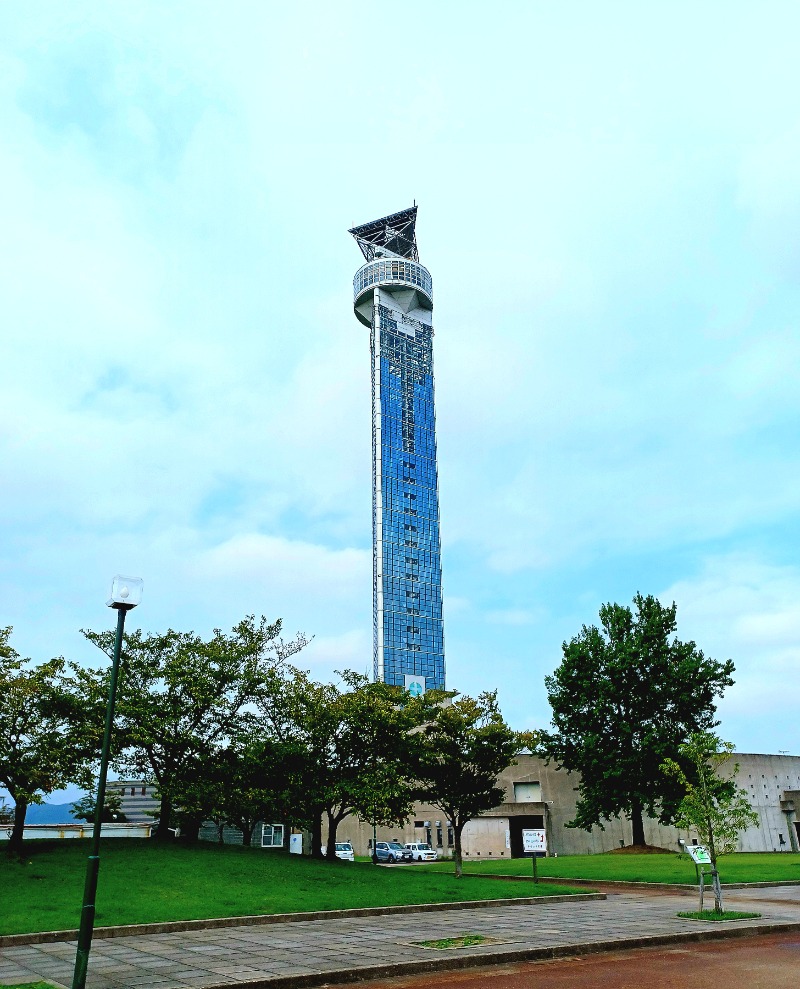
(609, 207)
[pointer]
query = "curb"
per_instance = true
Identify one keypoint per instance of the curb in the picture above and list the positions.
(177, 926)
(400, 969)
(624, 884)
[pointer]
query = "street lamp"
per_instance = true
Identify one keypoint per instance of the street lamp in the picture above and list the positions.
(126, 593)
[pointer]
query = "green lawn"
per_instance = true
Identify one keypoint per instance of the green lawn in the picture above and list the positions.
(143, 882)
(739, 868)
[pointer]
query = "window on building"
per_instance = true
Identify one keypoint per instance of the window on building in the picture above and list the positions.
(528, 793)
(450, 838)
(438, 837)
(272, 836)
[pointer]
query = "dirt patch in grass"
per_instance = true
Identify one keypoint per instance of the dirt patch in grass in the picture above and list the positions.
(459, 941)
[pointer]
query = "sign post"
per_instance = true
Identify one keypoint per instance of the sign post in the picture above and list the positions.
(534, 840)
(701, 856)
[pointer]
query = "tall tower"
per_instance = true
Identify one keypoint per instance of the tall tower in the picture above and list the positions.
(393, 295)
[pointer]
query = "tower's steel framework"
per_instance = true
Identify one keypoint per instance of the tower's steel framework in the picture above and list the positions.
(393, 295)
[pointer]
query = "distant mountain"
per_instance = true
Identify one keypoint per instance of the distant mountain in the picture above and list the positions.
(50, 814)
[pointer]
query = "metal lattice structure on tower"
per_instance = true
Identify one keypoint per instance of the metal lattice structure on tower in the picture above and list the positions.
(393, 295)
(391, 236)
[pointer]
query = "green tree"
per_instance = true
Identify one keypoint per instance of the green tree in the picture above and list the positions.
(713, 806)
(180, 698)
(50, 729)
(249, 780)
(624, 699)
(84, 809)
(457, 757)
(355, 740)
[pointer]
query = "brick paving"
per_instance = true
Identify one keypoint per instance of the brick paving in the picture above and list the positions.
(344, 949)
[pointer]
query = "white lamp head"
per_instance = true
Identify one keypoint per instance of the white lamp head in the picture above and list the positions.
(126, 592)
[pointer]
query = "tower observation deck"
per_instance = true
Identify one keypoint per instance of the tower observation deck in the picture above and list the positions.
(393, 295)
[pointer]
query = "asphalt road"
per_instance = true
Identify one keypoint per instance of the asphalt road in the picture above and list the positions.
(767, 962)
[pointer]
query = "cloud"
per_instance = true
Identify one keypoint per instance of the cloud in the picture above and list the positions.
(184, 392)
(743, 608)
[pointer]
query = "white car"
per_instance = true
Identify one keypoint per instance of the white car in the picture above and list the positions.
(421, 851)
(344, 850)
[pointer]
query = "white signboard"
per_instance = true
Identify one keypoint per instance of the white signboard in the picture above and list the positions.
(699, 853)
(415, 685)
(534, 840)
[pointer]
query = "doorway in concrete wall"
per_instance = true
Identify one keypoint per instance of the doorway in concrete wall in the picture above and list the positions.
(516, 825)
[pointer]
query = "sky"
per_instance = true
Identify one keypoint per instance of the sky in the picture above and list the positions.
(609, 206)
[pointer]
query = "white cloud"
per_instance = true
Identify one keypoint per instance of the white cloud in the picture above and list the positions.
(742, 608)
(184, 392)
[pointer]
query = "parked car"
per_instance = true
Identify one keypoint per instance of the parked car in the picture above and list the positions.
(421, 851)
(390, 851)
(344, 850)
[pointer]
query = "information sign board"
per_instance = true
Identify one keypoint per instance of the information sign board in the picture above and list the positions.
(699, 853)
(534, 840)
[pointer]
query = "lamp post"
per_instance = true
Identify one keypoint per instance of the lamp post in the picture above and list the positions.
(126, 593)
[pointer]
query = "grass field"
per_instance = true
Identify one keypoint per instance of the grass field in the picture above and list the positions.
(739, 868)
(143, 882)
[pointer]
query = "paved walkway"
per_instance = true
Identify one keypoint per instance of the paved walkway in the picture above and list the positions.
(340, 950)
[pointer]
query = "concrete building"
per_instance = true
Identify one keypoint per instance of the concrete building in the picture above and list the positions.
(393, 296)
(138, 800)
(540, 796)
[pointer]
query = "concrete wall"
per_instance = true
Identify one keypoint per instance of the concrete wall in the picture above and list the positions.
(65, 831)
(137, 799)
(769, 779)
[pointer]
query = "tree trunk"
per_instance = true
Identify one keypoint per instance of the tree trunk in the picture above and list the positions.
(15, 841)
(316, 836)
(333, 826)
(637, 823)
(457, 829)
(712, 851)
(247, 833)
(163, 832)
(190, 832)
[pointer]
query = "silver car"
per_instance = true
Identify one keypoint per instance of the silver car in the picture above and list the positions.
(390, 851)
(421, 851)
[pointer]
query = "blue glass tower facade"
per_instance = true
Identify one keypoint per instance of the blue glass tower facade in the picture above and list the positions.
(393, 295)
